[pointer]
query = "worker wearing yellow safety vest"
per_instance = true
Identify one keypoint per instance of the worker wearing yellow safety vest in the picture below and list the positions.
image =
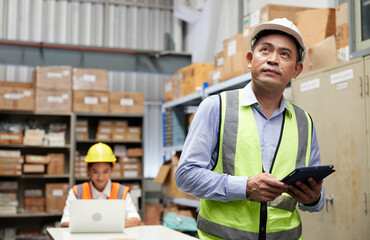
(100, 162)
(241, 143)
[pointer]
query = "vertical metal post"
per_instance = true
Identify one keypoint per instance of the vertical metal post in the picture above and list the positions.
(240, 15)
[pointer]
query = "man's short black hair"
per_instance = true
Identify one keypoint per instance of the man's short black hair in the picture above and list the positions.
(264, 33)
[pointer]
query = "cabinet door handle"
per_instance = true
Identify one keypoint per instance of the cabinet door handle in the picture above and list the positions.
(365, 203)
(367, 84)
(361, 86)
(327, 200)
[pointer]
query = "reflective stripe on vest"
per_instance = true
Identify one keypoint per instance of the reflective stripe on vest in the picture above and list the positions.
(240, 155)
(83, 191)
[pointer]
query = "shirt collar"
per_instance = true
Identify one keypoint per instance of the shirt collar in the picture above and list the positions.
(249, 99)
(106, 191)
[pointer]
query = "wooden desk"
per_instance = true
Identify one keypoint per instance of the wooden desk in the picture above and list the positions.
(152, 232)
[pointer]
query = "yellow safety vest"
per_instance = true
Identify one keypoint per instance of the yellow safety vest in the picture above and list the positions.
(240, 155)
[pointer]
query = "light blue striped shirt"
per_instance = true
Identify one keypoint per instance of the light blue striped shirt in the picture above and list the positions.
(194, 174)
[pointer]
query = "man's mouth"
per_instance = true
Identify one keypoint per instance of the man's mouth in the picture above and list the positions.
(269, 70)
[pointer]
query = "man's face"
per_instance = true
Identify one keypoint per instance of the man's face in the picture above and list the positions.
(100, 173)
(273, 62)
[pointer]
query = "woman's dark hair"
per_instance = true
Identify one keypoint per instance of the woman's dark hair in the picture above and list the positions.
(89, 165)
(264, 33)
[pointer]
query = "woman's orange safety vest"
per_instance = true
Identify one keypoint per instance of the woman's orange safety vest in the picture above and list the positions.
(83, 191)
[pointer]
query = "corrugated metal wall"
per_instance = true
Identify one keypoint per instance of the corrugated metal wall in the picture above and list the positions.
(140, 24)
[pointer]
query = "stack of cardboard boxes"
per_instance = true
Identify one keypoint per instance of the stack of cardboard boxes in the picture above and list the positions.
(82, 129)
(56, 196)
(8, 197)
(34, 201)
(51, 164)
(11, 162)
(80, 170)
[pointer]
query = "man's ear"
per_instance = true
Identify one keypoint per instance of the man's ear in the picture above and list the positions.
(298, 69)
(249, 58)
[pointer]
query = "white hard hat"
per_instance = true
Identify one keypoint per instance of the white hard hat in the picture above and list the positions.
(283, 25)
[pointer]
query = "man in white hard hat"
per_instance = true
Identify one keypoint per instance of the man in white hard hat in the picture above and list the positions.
(241, 143)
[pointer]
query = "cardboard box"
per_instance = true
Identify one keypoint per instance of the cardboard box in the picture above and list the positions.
(166, 176)
(89, 79)
(323, 54)
(131, 169)
(11, 138)
(82, 126)
(11, 166)
(106, 123)
(10, 160)
(10, 172)
(59, 100)
(120, 123)
(10, 153)
(235, 51)
(134, 152)
(56, 195)
(34, 137)
(119, 137)
(119, 130)
(267, 13)
(219, 59)
(178, 78)
(17, 96)
(33, 168)
(38, 159)
(103, 136)
(34, 204)
(53, 78)
(169, 90)
(106, 130)
(56, 163)
(91, 101)
(127, 102)
(216, 75)
(195, 75)
(321, 25)
(342, 32)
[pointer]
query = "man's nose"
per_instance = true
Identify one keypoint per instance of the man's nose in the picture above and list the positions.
(273, 58)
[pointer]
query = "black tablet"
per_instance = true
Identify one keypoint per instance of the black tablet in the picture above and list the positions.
(303, 173)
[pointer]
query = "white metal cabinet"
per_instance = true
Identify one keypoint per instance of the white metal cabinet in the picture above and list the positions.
(336, 99)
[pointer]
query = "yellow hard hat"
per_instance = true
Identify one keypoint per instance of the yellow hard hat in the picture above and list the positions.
(100, 152)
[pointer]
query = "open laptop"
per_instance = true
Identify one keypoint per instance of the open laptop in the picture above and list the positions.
(94, 216)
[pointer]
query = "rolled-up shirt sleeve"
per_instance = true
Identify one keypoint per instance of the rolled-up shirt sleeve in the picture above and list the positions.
(194, 174)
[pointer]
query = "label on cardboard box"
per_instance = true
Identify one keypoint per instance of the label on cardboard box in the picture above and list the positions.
(81, 129)
(14, 96)
(220, 61)
(168, 87)
(104, 99)
(10, 137)
(54, 99)
(126, 102)
(231, 48)
(131, 173)
(66, 72)
(89, 78)
(57, 192)
(216, 76)
(255, 18)
(54, 75)
(310, 85)
(27, 93)
(91, 100)
(245, 32)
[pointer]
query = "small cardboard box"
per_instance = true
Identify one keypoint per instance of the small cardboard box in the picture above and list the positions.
(17, 96)
(33, 168)
(91, 101)
(127, 102)
(53, 77)
(56, 163)
(11, 138)
(134, 152)
(131, 169)
(55, 100)
(119, 137)
(89, 79)
(195, 75)
(37, 159)
(321, 25)
(216, 75)
(103, 136)
(56, 195)
(9, 160)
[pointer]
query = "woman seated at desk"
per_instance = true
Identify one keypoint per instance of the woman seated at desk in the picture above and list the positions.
(100, 162)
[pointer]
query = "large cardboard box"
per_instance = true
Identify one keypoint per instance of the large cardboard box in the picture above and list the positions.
(216, 75)
(59, 100)
(316, 25)
(127, 102)
(195, 75)
(90, 79)
(166, 176)
(342, 32)
(56, 163)
(54, 77)
(56, 195)
(91, 101)
(17, 96)
(235, 51)
(267, 13)
(323, 54)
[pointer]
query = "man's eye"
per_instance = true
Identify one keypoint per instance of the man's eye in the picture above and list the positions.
(265, 49)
